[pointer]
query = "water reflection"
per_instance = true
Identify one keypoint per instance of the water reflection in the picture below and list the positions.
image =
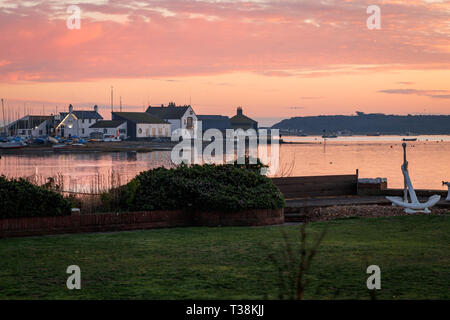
(428, 160)
(83, 172)
(374, 157)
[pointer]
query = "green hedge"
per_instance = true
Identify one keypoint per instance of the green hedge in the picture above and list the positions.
(201, 187)
(20, 198)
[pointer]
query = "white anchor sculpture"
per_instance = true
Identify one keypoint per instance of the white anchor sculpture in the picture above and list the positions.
(448, 185)
(414, 206)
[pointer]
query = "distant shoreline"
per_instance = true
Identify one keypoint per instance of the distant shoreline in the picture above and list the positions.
(367, 123)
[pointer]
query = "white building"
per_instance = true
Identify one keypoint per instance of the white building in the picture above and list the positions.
(76, 123)
(178, 116)
(108, 128)
(141, 125)
(31, 126)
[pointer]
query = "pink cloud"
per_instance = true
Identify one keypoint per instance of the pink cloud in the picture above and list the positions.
(177, 38)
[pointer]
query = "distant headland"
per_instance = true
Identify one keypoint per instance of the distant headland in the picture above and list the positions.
(363, 123)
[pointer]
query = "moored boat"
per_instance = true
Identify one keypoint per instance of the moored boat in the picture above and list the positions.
(60, 146)
(53, 140)
(12, 145)
(328, 136)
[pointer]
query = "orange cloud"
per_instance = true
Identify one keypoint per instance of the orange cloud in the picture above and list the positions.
(278, 51)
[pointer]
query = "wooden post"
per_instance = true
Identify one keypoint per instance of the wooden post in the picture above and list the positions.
(357, 181)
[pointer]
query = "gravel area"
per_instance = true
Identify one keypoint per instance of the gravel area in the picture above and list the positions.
(365, 211)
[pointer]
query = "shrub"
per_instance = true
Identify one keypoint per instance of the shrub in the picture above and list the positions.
(206, 187)
(20, 198)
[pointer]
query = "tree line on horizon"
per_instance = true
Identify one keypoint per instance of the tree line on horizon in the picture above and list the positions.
(362, 123)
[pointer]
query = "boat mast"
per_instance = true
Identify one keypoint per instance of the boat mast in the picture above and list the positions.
(112, 99)
(4, 119)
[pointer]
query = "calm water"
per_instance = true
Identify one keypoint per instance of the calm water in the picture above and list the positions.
(429, 161)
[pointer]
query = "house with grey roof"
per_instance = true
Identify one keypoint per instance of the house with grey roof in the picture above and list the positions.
(76, 123)
(221, 123)
(141, 125)
(241, 121)
(182, 117)
(108, 128)
(31, 126)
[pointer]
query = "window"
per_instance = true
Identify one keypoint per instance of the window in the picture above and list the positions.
(105, 130)
(82, 120)
(40, 132)
(29, 132)
(140, 131)
(190, 123)
(159, 131)
(90, 120)
(82, 131)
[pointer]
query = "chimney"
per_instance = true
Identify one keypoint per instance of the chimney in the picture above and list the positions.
(96, 108)
(239, 111)
(70, 108)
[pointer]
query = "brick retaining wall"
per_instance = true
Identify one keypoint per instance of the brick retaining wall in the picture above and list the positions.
(135, 220)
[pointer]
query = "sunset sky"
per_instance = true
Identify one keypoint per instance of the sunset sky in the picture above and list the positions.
(274, 58)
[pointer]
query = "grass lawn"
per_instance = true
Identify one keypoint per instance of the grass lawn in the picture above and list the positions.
(232, 263)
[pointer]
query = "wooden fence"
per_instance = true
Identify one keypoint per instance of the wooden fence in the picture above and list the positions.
(317, 186)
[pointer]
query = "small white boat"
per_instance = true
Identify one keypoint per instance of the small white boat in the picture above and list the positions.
(60, 146)
(53, 140)
(112, 139)
(13, 145)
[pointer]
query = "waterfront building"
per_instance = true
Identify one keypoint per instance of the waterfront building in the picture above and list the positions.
(182, 117)
(142, 125)
(218, 122)
(76, 123)
(108, 128)
(241, 121)
(31, 126)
